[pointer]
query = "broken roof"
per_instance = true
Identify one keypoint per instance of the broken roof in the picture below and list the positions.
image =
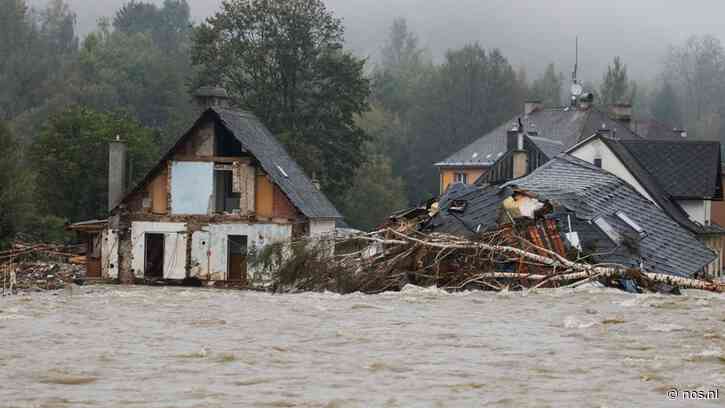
(274, 159)
(591, 192)
(556, 130)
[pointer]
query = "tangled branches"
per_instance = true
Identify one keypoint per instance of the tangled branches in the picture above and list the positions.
(390, 258)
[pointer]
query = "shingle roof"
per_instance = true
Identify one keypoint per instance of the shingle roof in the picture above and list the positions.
(590, 192)
(684, 169)
(481, 210)
(652, 185)
(274, 159)
(557, 129)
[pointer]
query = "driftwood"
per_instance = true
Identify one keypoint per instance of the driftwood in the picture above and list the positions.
(389, 258)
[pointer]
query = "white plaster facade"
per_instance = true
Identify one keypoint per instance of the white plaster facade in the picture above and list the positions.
(174, 247)
(209, 247)
(699, 211)
(320, 228)
(596, 149)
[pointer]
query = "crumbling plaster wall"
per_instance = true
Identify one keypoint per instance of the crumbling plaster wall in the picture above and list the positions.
(175, 239)
(321, 228)
(209, 246)
(109, 254)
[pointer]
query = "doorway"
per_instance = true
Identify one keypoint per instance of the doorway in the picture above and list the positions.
(237, 258)
(154, 262)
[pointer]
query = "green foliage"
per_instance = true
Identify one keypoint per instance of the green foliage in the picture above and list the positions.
(71, 157)
(615, 86)
(375, 194)
(169, 25)
(548, 87)
(35, 51)
(15, 187)
(470, 94)
(284, 59)
(128, 71)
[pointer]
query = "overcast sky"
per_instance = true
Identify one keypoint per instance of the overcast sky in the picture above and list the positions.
(529, 32)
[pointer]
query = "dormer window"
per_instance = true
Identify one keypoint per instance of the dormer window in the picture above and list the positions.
(460, 177)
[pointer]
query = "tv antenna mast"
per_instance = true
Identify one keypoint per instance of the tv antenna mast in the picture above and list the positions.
(576, 88)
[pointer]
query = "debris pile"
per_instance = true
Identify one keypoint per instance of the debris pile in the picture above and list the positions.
(528, 248)
(39, 267)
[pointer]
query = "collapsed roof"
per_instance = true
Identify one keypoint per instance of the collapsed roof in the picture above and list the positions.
(601, 206)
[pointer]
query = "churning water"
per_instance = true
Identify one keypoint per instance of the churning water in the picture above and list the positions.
(176, 347)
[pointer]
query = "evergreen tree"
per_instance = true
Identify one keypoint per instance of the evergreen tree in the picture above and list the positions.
(548, 87)
(615, 85)
(71, 159)
(15, 186)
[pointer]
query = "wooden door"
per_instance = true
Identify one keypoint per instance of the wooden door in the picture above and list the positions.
(237, 258)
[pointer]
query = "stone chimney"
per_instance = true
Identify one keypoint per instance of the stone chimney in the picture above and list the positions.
(212, 96)
(519, 156)
(117, 152)
(532, 106)
(621, 112)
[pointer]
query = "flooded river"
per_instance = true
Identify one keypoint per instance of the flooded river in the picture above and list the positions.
(178, 347)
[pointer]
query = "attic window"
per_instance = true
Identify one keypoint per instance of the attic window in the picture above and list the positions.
(598, 163)
(608, 230)
(631, 223)
(281, 170)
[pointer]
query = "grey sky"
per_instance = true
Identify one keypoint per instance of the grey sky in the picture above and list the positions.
(529, 32)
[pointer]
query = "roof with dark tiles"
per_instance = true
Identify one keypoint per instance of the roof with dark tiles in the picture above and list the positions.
(556, 130)
(586, 192)
(589, 192)
(272, 156)
(684, 169)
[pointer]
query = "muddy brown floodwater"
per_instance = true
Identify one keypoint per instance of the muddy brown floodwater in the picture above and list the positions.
(177, 347)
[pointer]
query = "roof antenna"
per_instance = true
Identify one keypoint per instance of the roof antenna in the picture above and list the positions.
(576, 88)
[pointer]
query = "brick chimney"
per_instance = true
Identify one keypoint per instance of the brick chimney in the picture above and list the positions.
(117, 152)
(621, 112)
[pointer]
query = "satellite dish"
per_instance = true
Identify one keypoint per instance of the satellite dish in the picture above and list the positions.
(576, 89)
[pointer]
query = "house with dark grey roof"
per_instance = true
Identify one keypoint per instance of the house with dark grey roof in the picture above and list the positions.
(547, 132)
(682, 177)
(612, 222)
(224, 191)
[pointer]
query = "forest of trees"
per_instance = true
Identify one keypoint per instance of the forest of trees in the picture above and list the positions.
(369, 131)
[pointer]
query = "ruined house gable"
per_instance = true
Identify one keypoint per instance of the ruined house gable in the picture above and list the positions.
(209, 173)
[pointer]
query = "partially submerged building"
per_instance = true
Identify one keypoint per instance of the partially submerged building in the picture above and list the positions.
(225, 190)
(681, 177)
(576, 209)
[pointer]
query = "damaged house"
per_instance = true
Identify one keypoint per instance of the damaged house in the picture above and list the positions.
(575, 209)
(681, 177)
(226, 189)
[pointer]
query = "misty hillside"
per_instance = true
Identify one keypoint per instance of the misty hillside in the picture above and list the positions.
(530, 32)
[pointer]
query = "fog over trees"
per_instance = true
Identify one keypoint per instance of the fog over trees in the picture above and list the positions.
(533, 33)
(367, 112)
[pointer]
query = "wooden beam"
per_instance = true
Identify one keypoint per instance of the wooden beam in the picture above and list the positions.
(216, 159)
